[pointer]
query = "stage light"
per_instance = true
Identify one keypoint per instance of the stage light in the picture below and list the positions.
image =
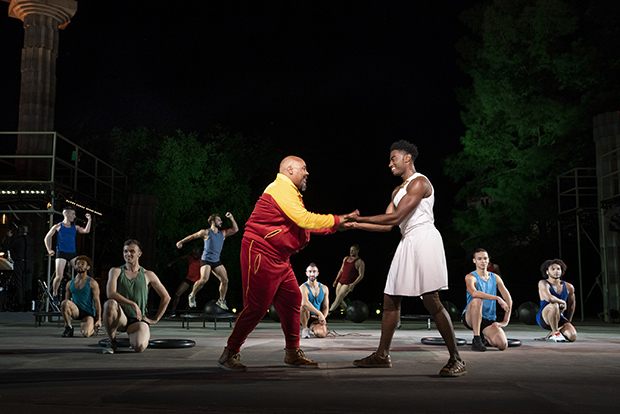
(234, 310)
(378, 311)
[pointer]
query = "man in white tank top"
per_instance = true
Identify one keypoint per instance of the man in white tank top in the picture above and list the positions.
(419, 264)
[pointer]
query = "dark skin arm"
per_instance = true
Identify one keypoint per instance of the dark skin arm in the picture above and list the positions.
(417, 189)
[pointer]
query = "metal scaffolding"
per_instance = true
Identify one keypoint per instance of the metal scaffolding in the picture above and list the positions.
(70, 176)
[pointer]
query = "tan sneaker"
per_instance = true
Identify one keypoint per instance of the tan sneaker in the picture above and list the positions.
(374, 361)
(454, 368)
(230, 361)
(297, 358)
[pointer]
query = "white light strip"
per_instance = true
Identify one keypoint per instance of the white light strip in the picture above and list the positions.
(85, 208)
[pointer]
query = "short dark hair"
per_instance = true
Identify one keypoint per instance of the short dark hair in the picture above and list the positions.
(548, 263)
(133, 241)
(86, 259)
(406, 147)
(312, 265)
(479, 250)
(357, 246)
(68, 208)
(212, 217)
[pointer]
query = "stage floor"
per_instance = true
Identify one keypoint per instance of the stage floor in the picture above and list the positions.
(44, 373)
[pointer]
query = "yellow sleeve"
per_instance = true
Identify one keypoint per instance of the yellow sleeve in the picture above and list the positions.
(289, 200)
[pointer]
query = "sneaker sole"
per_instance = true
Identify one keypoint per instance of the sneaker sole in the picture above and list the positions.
(450, 375)
(373, 366)
(302, 366)
(225, 368)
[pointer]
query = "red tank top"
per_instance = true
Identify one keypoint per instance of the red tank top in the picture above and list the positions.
(193, 274)
(349, 272)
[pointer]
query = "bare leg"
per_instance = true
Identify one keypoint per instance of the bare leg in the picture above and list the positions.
(69, 310)
(496, 337)
(113, 317)
(222, 275)
(139, 335)
(473, 315)
(205, 272)
(60, 272)
(569, 332)
(389, 322)
(443, 322)
(319, 330)
(341, 292)
(551, 315)
(304, 315)
(87, 327)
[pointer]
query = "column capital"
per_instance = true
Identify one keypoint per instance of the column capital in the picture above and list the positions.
(60, 10)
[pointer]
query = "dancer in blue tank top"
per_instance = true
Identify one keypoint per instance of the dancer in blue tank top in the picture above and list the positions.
(479, 314)
(314, 305)
(557, 302)
(65, 245)
(82, 301)
(213, 239)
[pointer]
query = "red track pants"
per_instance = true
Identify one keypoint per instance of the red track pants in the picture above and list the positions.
(266, 281)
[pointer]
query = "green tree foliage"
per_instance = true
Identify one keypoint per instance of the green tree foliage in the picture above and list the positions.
(192, 178)
(535, 84)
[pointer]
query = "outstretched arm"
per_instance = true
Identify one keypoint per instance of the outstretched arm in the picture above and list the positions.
(417, 189)
(377, 227)
(191, 237)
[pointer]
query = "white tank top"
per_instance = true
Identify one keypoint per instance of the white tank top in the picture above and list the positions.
(422, 215)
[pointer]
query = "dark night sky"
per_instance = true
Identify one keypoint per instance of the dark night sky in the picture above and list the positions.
(335, 82)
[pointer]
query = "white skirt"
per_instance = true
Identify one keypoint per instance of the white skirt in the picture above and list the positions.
(419, 264)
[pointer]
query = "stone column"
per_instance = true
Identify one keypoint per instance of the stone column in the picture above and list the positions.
(42, 19)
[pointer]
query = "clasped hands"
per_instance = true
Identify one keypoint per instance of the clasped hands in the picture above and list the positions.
(348, 221)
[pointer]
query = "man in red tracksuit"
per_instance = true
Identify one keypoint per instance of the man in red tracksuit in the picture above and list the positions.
(279, 226)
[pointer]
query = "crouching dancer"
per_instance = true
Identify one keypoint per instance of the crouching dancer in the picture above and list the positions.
(82, 301)
(127, 290)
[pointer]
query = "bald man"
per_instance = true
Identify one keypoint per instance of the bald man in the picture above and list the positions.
(279, 226)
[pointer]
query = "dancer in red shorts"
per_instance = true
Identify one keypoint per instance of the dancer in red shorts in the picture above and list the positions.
(279, 226)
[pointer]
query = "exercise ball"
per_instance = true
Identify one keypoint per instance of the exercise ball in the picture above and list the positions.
(357, 311)
(527, 313)
(453, 311)
(212, 309)
(273, 314)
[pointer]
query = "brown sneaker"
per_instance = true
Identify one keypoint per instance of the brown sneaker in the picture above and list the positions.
(454, 368)
(297, 358)
(374, 361)
(230, 361)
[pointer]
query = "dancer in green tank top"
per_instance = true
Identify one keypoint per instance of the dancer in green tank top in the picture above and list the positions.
(127, 290)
